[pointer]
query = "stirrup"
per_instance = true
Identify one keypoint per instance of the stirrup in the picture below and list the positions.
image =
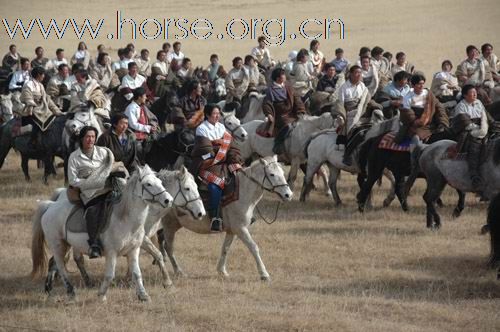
(216, 225)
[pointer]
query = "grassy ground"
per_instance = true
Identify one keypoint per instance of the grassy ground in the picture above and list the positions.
(331, 269)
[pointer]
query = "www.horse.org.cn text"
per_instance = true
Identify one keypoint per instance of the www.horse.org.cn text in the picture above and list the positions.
(276, 30)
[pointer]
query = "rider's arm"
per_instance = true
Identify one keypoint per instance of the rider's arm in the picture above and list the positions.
(133, 120)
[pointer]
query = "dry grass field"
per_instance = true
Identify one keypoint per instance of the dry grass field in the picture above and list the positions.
(332, 269)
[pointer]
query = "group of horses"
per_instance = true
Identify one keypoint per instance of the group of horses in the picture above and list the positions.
(156, 198)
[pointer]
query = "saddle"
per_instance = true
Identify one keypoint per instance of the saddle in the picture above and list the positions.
(76, 219)
(230, 193)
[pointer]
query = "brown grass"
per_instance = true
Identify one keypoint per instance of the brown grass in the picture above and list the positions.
(331, 269)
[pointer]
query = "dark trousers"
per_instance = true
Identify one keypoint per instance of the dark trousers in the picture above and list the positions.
(214, 201)
(94, 216)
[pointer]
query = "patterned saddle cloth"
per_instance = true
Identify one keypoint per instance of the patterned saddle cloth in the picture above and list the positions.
(230, 193)
(387, 143)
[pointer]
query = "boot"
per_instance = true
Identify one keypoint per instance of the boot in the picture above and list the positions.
(93, 216)
(473, 161)
(216, 221)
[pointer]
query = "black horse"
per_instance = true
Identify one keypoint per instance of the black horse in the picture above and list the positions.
(494, 229)
(376, 159)
(168, 148)
(49, 144)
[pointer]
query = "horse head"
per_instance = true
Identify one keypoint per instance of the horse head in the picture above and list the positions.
(274, 178)
(182, 185)
(149, 187)
(233, 125)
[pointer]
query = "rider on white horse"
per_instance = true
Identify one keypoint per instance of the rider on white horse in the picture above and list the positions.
(88, 167)
(211, 154)
(281, 107)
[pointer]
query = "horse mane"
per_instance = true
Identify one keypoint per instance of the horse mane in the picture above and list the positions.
(123, 205)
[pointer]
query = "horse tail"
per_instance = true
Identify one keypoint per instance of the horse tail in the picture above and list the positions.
(494, 223)
(38, 252)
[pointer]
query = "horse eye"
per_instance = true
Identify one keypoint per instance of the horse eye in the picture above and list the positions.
(187, 189)
(272, 174)
(148, 184)
(230, 123)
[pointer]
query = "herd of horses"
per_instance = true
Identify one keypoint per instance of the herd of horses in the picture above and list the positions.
(158, 198)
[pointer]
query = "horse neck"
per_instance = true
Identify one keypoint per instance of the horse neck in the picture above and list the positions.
(131, 212)
(253, 189)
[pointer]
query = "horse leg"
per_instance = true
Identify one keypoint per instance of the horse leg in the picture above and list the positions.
(366, 188)
(109, 275)
(435, 186)
(148, 245)
(59, 250)
(80, 263)
(400, 192)
(246, 238)
(135, 271)
(169, 231)
(47, 166)
(292, 175)
(307, 185)
(25, 167)
(460, 204)
(51, 275)
(392, 192)
(221, 265)
(324, 177)
(332, 182)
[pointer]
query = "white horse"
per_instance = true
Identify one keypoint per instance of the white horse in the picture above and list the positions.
(186, 197)
(254, 108)
(323, 149)
(295, 142)
(6, 106)
(123, 235)
(263, 174)
(233, 125)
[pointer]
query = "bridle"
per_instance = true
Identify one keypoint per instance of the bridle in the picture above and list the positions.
(186, 200)
(232, 131)
(153, 195)
(266, 178)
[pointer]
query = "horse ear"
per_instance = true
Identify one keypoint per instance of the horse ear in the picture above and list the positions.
(183, 170)
(275, 158)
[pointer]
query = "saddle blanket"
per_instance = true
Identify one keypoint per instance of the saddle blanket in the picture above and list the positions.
(230, 193)
(387, 143)
(452, 153)
(76, 219)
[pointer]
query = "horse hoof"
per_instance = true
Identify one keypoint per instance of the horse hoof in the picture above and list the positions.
(167, 284)
(144, 297)
(405, 208)
(265, 278)
(102, 298)
(485, 229)
(386, 203)
(224, 274)
(456, 213)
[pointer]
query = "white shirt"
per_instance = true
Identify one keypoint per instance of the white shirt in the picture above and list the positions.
(210, 131)
(80, 167)
(262, 55)
(179, 57)
(133, 112)
(19, 76)
(120, 64)
(349, 92)
(34, 86)
(58, 80)
(474, 110)
(55, 63)
(132, 83)
(163, 66)
(412, 99)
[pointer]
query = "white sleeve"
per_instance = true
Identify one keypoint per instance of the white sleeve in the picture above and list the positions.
(73, 179)
(133, 121)
(201, 130)
(13, 82)
(483, 129)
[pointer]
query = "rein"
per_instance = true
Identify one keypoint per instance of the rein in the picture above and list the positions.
(187, 202)
(153, 199)
(271, 190)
